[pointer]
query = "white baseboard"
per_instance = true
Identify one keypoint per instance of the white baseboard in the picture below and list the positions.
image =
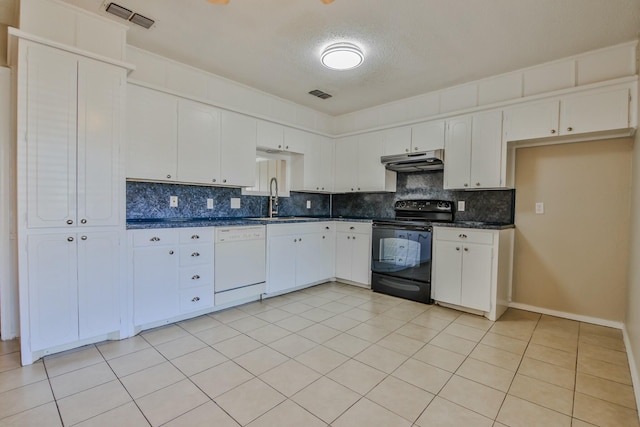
(570, 316)
(635, 378)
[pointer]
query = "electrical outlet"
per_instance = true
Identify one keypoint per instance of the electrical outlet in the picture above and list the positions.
(173, 201)
(539, 207)
(308, 204)
(461, 205)
(235, 203)
(209, 203)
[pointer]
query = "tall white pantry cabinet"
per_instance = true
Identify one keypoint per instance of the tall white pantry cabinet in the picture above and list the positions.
(70, 114)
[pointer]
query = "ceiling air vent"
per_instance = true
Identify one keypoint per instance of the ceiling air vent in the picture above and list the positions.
(143, 21)
(320, 94)
(129, 15)
(119, 11)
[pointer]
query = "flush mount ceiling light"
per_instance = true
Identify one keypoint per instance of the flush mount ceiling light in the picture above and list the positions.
(342, 56)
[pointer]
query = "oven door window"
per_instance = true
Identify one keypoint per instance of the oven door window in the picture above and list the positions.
(402, 253)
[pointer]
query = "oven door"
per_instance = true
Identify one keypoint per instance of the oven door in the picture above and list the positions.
(403, 251)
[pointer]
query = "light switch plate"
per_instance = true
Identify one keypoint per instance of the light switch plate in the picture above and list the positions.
(461, 205)
(209, 203)
(235, 203)
(539, 207)
(308, 204)
(173, 201)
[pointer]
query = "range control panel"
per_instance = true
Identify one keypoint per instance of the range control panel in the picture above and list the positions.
(424, 205)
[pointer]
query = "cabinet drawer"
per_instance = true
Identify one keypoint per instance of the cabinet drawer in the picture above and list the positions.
(196, 299)
(196, 254)
(353, 227)
(154, 237)
(196, 235)
(297, 229)
(465, 235)
(198, 275)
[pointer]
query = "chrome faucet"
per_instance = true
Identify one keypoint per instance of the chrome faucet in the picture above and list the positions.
(273, 198)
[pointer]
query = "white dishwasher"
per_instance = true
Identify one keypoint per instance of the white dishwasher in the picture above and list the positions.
(240, 263)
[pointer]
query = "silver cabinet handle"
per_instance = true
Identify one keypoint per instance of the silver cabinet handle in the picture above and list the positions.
(154, 239)
(170, 252)
(83, 221)
(195, 254)
(69, 221)
(69, 239)
(195, 237)
(195, 277)
(168, 176)
(84, 237)
(195, 299)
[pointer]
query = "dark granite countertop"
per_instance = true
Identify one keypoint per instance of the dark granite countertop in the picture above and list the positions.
(475, 224)
(140, 224)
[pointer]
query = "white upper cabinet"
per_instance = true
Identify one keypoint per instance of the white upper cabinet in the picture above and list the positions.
(270, 135)
(238, 150)
(198, 143)
(295, 140)
(593, 111)
(73, 133)
(457, 167)
(535, 120)
(474, 152)
(313, 171)
(396, 141)
(152, 134)
(358, 167)
(427, 136)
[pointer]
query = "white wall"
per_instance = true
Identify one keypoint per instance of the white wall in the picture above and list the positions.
(632, 323)
(8, 284)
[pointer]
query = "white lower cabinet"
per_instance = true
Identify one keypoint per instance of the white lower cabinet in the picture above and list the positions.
(353, 252)
(299, 254)
(74, 281)
(172, 272)
(471, 268)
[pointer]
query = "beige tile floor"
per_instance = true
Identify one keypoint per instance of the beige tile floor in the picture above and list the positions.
(333, 355)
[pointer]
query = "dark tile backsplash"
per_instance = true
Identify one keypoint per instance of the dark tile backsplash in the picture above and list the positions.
(151, 201)
(147, 200)
(481, 205)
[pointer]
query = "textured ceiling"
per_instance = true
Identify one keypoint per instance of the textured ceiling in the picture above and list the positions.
(411, 46)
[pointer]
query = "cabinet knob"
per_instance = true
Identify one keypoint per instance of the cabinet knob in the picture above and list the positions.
(351, 189)
(279, 146)
(168, 176)
(358, 188)
(84, 237)
(348, 237)
(415, 148)
(195, 277)
(466, 185)
(69, 239)
(154, 239)
(462, 236)
(287, 147)
(195, 237)
(569, 129)
(295, 240)
(354, 237)
(553, 131)
(317, 188)
(195, 254)
(326, 228)
(406, 150)
(83, 221)
(323, 188)
(213, 180)
(352, 228)
(170, 252)
(466, 249)
(195, 299)
(300, 239)
(69, 221)
(224, 180)
(323, 237)
(457, 248)
(477, 184)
